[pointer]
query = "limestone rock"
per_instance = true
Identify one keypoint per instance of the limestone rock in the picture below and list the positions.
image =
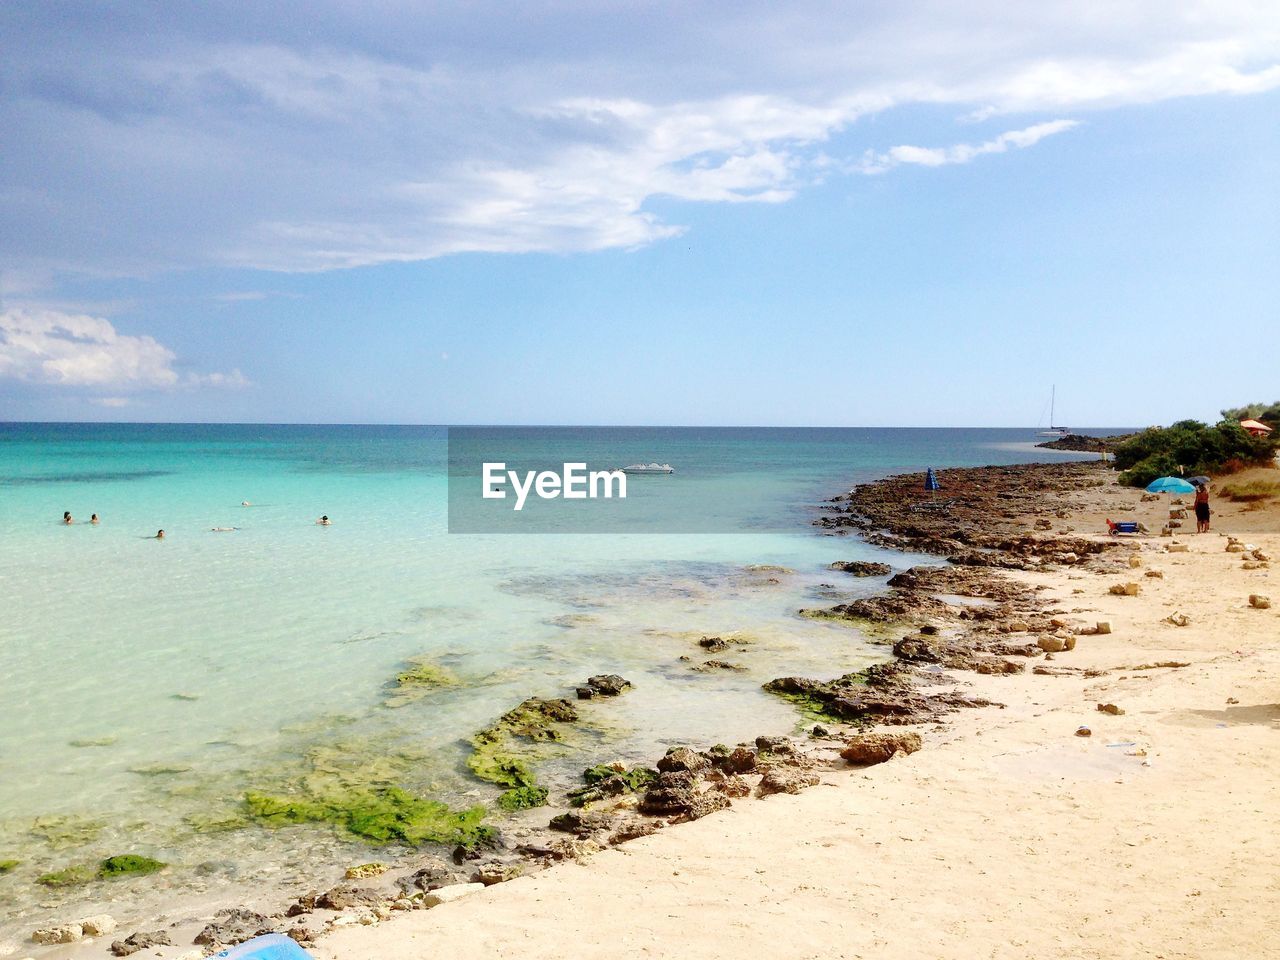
(1051, 644)
(1104, 626)
(1259, 602)
(1124, 589)
(99, 925)
(1177, 548)
(682, 758)
(63, 933)
(1110, 708)
(453, 892)
(1155, 574)
(785, 780)
(607, 684)
(870, 748)
(140, 941)
(1178, 619)
(491, 873)
(862, 568)
(232, 926)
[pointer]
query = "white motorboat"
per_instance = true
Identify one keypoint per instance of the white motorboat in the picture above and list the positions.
(649, 468)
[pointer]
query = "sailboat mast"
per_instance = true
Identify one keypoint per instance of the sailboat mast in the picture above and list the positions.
(1053, 398)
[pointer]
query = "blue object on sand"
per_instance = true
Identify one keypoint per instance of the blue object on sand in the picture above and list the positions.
(930, 481)
(1170, 485)
(271, 946)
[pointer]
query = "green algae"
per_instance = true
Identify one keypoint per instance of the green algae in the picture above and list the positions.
(421, 678)
(215, 823)
(93, 742)
(66, 832)
(121, 865)
(72, 876)
(492, 760)
(606, 781)
(424, 673)
(160, 769)
(128, 864)
(523, 798)
(810, 706)
(8, 866)
(379, 815)
(497, 753)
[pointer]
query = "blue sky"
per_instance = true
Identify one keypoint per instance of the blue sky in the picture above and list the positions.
(846, 214)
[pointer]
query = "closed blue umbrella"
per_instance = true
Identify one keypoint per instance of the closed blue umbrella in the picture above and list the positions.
(1170, 485)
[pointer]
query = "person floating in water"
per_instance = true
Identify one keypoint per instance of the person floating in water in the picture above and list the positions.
(94, 519)
(159, 535)
(324, 521)
(245, 503)
(66, 517)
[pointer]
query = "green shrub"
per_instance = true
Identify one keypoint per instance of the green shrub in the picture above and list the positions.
(1189, 447)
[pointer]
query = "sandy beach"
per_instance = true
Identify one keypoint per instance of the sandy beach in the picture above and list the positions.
(1007, 835)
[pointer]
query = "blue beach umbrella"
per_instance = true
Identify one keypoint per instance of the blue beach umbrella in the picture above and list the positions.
(1170, 485)
(930, 481)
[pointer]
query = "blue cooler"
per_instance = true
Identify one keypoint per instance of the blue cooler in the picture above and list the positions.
(273, 946)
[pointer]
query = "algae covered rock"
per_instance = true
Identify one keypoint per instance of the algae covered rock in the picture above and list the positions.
(7, 866)
(128, 864)
(419, 678)
(377, 814)
(71, 876)
(523, 798)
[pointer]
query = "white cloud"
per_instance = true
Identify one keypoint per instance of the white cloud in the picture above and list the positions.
(874, 162)
(112, 402)
(77, 350)
(380, 136)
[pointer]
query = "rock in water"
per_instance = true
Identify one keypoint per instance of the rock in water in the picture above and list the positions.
(607, 684)
(870, 748)
(862, 568)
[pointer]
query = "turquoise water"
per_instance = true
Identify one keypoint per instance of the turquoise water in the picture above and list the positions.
(149, 684)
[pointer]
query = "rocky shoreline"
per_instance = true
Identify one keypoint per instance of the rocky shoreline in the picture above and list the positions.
(939, 620)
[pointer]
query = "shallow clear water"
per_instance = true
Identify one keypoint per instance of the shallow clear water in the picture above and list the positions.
(148, 684)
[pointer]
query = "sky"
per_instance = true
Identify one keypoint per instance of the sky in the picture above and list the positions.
(858, 213)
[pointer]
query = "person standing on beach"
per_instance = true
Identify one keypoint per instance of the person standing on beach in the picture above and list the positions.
(1202, 508)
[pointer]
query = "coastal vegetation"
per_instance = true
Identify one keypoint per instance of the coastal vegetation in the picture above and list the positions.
(1266, 412)
(1190, 447)
(1251, 491)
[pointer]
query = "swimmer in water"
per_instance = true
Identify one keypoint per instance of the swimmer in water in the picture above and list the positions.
(324, 521)
(94, 519)
(159, 535)
(245, 503)
(66, 517)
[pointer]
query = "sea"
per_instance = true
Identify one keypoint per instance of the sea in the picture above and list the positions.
(148, 684)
